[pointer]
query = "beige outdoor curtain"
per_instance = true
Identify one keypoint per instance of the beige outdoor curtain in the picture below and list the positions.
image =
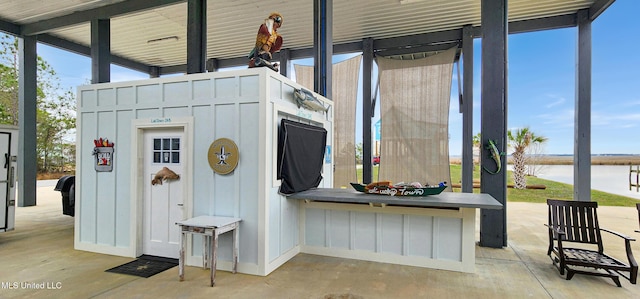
(414, 118)
(344, 94)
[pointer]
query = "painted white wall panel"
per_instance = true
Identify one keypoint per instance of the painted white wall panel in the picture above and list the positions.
(126, 96)
(202, 174)
(340, 229)
(226, 88)
(225, 122)
(88, 99)
(315, 227)
(275, 88)
(249, 86)
(148, 94)
(396, 234)
(274, 226)
(105, 183)
(225, 245)
(87, 177)
(106, 97)
(450, 239)
(365, 231)
(248, 191)
(148, 113)
(288, 224)
(419, 235)
(202, 89)
(225, 125)
(177, 111)
(391, 230)
(122, 153)
(224, 195)
(176, 92)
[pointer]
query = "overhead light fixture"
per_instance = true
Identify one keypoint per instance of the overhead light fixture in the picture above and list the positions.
(167, 38)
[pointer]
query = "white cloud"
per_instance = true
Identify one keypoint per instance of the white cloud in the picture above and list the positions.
(558, 118)
(631, 103)
(629, 117)
(619, 121)
(557, 100)
(627, 126)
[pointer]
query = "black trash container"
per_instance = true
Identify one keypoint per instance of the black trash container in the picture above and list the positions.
(67, 186)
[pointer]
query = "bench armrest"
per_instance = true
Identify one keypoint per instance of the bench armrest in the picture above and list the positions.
(618, 234)
(556, 230)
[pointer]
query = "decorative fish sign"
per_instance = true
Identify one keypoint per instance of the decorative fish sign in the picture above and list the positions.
(495, 155)
(163, 175)
(307, 100)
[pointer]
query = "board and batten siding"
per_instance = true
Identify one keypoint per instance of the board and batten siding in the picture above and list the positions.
(244, 106)
(425, 237)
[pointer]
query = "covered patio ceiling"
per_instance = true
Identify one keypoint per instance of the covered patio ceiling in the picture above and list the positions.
(153, 33)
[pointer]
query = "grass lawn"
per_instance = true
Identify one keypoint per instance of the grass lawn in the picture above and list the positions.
(553, 189)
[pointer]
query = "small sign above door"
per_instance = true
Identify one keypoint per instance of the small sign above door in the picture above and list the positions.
(223, 156)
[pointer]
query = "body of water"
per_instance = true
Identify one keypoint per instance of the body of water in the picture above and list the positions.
(608, 178)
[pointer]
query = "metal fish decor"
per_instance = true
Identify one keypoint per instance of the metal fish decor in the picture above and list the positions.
(307, 100)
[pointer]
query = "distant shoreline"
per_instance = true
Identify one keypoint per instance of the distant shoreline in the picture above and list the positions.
(568, 160)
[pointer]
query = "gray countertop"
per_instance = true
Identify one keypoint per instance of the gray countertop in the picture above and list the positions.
(442, 200)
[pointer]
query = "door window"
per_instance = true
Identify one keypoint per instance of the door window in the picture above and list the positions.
(166, 150)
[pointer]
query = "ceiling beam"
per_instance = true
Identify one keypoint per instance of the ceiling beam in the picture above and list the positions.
(70, 46)
(9, 27)
(418, 49)
(418, 40)
(598, 8)
(548, 23)
(104, 12)
(243, 60)
(426, 42)
(66, 45)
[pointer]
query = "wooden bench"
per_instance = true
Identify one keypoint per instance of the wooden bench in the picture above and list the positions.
(638, 207)
(572, 222)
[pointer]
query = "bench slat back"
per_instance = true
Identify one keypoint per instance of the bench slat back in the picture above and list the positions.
(577, 219)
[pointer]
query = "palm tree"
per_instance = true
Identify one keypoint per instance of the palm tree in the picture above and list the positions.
(520, 139)
(477, 143)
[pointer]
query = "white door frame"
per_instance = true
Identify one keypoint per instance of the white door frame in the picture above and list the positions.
(5, 219)
(137, 171)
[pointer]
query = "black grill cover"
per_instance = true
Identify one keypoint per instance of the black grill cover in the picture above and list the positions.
(300, 156)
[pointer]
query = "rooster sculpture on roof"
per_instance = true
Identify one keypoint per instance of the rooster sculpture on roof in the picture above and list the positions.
(268, 41)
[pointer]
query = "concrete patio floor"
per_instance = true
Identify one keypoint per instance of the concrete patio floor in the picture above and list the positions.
(39, 252)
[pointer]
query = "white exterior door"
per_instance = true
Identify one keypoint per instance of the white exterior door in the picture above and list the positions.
(163, 204)
(5, 157)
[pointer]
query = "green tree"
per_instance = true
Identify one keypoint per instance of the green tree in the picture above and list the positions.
(56, 106)
(519, 140)
(8, 81)
(477, 143)
(359, 153)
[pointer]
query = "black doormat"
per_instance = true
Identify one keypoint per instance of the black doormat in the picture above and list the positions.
(145, 266)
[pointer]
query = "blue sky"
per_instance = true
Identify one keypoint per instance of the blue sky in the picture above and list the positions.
(541, 86)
